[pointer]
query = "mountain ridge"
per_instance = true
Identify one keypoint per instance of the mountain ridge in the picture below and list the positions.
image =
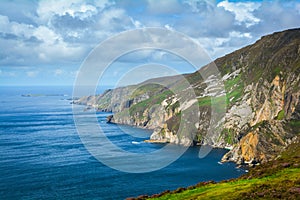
(261, 101)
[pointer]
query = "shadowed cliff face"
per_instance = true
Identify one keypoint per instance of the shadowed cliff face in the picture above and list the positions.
(262, 101)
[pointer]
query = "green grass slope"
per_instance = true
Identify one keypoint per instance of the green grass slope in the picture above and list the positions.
(278, 179)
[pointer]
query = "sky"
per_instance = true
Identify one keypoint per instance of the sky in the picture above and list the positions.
(46, 42)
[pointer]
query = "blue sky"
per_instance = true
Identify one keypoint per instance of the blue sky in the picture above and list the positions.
(45, 42)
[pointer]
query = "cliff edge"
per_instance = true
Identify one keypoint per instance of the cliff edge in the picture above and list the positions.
(261, 101)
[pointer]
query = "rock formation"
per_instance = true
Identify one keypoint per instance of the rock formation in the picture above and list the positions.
(261, 101)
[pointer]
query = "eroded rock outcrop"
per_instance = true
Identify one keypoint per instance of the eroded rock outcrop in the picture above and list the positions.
(252, 107)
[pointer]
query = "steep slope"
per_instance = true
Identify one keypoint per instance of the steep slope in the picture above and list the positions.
(261, 100)
(278, 179)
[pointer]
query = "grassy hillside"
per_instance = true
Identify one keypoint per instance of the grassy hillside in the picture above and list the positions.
(278, 179)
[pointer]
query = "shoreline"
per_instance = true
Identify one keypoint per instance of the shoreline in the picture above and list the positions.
(156, 141)
(262, 182)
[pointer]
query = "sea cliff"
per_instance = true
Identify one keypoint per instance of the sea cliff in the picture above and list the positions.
(261, 102)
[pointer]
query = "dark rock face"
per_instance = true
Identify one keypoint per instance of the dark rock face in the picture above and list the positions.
(110, 119)
(262, 101)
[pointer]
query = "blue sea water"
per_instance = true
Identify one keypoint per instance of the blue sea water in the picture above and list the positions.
(42, 156)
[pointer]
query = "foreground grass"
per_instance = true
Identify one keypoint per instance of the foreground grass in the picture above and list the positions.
(285, 183)
(278, 179)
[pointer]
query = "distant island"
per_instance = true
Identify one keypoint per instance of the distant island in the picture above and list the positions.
(44, 95)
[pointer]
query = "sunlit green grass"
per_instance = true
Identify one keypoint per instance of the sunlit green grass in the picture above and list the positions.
(237, 189)
(277, 179)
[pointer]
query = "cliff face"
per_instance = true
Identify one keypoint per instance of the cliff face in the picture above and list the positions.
(262, 101)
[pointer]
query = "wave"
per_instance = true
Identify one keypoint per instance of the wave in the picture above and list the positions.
(135, 142)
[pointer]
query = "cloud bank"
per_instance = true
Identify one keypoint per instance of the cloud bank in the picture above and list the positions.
(54, 37)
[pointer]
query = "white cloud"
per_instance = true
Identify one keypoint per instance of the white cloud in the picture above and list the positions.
(136, 23)
(205, 19)
(167, 26)
(48, 36)
(48, 8)
(18, 29)
(236, 34)
(4, 21)
(63, 32)
(243, 11)
(200, 5)
(32, 74)
(115, 20)
(276, 16)
(47, 44)
(58, 72)
(164, 7)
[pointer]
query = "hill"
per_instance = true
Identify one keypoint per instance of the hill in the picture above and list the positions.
(277, 179)
(251, 107)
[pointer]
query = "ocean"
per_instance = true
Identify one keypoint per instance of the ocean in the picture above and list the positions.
(42, 156)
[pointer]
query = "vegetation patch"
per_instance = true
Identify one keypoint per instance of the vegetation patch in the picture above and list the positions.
(172, 107)
(285, 183)
(277, 70)
(295, 123)
(139, 108)
(151, 89)
(230, 83)
(204, 101)
(294, 126)
(194, 78)
(234, 89)
(228, 135)
(280, 115)
(278, 179)
(253, 128)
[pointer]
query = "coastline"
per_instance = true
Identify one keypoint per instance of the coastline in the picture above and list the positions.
(276, 179)
(156, 141)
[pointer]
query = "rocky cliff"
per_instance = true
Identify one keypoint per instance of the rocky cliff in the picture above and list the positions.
(260, 99)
